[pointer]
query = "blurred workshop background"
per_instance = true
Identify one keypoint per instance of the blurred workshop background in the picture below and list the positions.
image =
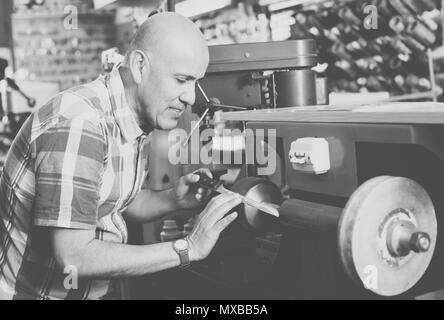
(393, 53)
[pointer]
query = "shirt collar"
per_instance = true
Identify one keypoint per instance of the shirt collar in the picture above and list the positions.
(122, 112)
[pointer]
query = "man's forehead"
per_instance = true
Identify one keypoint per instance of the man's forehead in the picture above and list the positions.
(190, 73)
(186, 65)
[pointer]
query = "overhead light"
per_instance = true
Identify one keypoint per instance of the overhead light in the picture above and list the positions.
(290, 3)
(191, 8)
(111, 4)
(101, 3)
(267, 2)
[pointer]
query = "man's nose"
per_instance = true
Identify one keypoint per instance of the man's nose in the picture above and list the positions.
(189, 96)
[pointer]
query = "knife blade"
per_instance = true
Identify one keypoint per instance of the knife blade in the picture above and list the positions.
(217, 185)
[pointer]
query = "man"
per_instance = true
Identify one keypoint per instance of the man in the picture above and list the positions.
(79, 163)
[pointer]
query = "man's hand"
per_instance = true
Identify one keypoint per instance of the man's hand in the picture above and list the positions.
(185, 193)
(210, 223)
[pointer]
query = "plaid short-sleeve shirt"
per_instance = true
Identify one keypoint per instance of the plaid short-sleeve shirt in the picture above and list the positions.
(76, 163)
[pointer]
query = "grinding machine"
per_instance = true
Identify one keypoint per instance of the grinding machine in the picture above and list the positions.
(358, 188)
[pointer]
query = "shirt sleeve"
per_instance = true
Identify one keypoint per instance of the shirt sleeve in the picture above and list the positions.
(69, 165)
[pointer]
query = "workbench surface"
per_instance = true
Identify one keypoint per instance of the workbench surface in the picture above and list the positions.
(398, 112)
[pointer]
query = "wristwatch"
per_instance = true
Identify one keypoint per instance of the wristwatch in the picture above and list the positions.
(181, 248)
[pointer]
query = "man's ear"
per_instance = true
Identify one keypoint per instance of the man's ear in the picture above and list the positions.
(139, 64)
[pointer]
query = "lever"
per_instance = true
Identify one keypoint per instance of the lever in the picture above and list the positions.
(13, 85)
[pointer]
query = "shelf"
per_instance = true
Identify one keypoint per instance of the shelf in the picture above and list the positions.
(58, 15)
(288, 4)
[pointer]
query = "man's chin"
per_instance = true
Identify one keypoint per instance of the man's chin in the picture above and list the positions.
(168, 125)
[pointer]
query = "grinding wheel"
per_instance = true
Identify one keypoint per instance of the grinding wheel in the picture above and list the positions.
(260, 190)
(387, 234)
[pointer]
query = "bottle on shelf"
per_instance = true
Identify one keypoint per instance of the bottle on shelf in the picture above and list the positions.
(396, 66)
(417, 84)
(428, 5)
(353, 87)
(401, 8)
(170, 231)
(410, 33)
(348, 68)
(417, 6)
(339, 34)
(414, 44)
(350, 32)
(421, 33)
(400, 47)
(329, 18)
(369, 65)
(374, 47)
(313, 21)
(397, 24)
(339, 51)
(348, 16)
(374, 84)
(357, 48)
(385, 11)
(387, 84)
(431, 19)
(332, 37)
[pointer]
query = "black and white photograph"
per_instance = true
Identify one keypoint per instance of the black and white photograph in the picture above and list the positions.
(222, 155)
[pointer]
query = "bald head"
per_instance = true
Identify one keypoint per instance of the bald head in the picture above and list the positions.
(165, 31)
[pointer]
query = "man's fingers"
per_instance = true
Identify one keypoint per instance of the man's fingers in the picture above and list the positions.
(194, 176)
(205, 171)
(225, 222)
(222, 209)
(202, 194)
(219, 200)
(191, 178)
(214, 210)
(213, 203)
(210, 207)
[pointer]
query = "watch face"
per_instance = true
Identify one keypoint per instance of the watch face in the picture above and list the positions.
(181, 244)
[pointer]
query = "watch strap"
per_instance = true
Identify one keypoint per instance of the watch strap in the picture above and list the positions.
(184, 258)
(183, 255)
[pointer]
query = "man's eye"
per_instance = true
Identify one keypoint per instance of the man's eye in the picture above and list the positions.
(181, 80)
